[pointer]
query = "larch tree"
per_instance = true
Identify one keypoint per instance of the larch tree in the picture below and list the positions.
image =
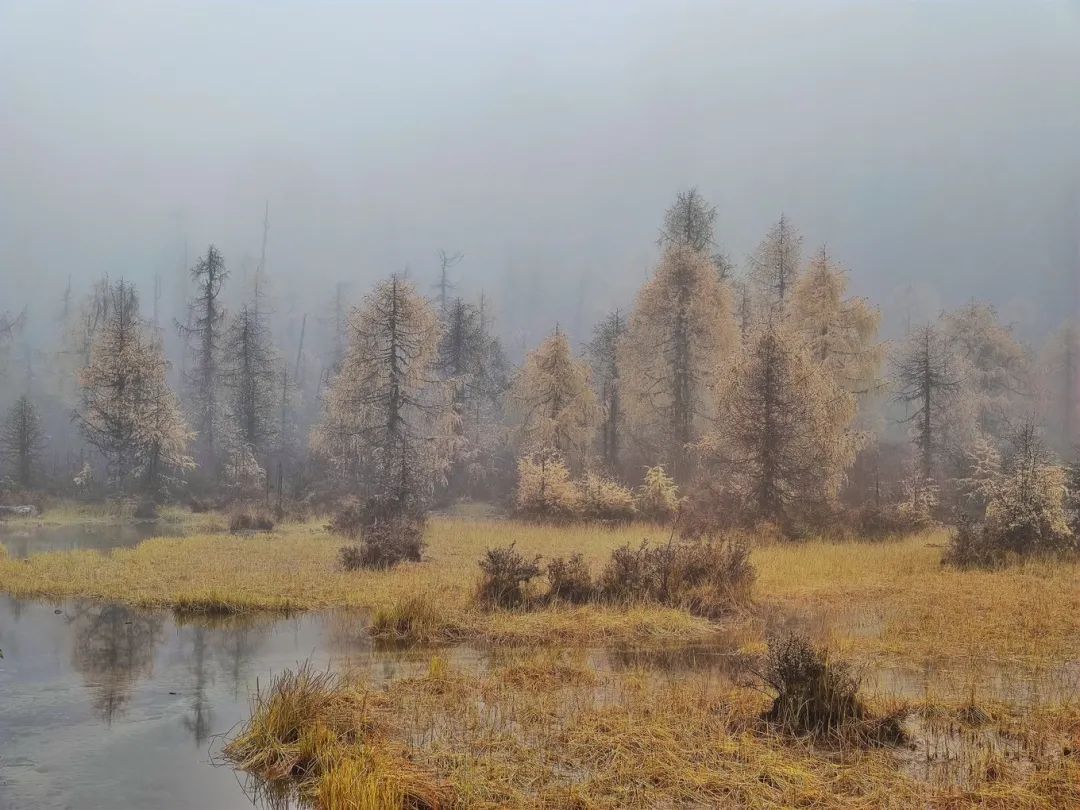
(250, 379)
(205, 332)
(470, 361)
(994, 368)
(22, 439)
(689, 223)
(603, 351)
(840, 332)
(552, 402)
(127, 409)
(385, 427)
(679, 333)
(775, 265)
(926, 383)
(783, 437)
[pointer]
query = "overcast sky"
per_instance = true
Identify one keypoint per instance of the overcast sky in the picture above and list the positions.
(933, 144)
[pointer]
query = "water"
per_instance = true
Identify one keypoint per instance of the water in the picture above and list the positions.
(22, 542)
(109, 707)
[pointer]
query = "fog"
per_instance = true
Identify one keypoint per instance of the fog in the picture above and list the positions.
(933, 145)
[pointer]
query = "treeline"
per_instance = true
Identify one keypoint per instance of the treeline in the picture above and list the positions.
(728, 397)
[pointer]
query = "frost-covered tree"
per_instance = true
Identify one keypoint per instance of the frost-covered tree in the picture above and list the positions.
(1026, 513)
(774, 266)
(127, 409)
(782, 437)
(679, 333)
(689, 223)
(993, 367)
(926, 383)
(840, 332)
(385, 427)
(250, 381)
(552, 402)
(603, 352)
(22, 439)
(205, 333)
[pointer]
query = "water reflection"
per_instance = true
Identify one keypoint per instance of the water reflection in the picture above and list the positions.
(113, 648)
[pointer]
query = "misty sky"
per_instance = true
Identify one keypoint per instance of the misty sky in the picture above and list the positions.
(932, 143)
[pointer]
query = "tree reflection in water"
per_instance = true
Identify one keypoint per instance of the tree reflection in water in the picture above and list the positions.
(114, 647)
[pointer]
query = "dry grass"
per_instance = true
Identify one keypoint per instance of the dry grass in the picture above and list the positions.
(324, 738)
(550, 730)
(557, 728)
(879, 602)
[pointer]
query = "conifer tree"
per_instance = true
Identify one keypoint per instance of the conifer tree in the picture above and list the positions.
(205, 332)
(22, 439)
(680, 331)
(926, 382)
(250, 379)
(993, 367)
(553, 405)
(774, 266)
(127, 410)
(839, 332)
(386, 427)
(782, 438)
(604, 353)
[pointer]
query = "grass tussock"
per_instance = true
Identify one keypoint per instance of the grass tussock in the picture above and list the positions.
(817, 695)
(324, 738)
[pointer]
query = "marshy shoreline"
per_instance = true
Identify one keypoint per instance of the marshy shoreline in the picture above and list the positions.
(979, 664)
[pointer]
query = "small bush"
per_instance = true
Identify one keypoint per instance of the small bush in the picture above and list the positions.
(605, 500)
(506, 579)
(545, 491)
(707, 578)
(569, 580)
(389, 534)
(250, 520)
(968, 546)
(386, 544)
(814, 694)
(630, 575)
(658, 496)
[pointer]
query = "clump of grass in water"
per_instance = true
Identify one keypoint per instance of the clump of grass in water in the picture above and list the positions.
(818, 695)
(324, 738)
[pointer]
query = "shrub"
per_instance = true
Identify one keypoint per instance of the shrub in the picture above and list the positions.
(386, 544)
(507, 576)
(708, 578)
(705, 577)
(814, 693)
(544, 490)
(630, 575)
(1026, 514)
(658, 496)
(606, 500)
(389, 533)
(250, 520)
(569, 580)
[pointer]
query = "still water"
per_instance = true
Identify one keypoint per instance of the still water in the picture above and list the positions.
(104, 706)
(22, 542)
